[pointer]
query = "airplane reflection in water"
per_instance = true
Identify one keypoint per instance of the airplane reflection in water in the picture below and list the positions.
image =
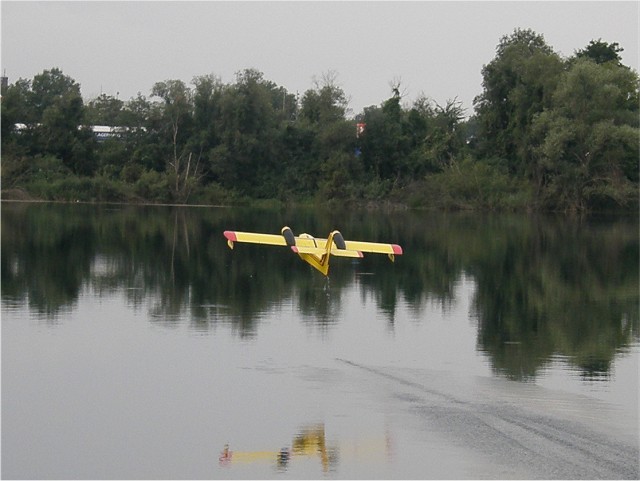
(310, 442)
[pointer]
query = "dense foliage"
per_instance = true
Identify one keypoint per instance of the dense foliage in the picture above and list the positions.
(547, 133)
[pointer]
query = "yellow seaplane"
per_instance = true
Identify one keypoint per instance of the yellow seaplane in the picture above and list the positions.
(315, 252)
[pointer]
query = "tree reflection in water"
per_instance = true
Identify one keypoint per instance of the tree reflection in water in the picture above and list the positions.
(546, 288)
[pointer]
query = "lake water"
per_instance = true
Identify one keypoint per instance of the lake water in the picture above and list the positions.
(136, 345)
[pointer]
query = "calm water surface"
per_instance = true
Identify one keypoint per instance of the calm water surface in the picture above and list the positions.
(135, 344)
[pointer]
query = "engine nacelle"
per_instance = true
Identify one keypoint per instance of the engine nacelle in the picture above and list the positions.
(287, 233)
(339, 240)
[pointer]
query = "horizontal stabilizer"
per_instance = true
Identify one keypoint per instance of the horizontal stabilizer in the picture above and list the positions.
(319, 252)
(374, 247)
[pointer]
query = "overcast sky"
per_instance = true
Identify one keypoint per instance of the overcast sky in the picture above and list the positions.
(433, 48)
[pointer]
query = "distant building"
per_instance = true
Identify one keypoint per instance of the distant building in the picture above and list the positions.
(101, 132)
(4, 82)
(104, 132)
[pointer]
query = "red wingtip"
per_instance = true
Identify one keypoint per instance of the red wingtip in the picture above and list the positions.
(229, 234)
(396, 249)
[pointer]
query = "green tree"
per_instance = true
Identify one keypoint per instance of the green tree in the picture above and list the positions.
(56, 108)
(326, 103)
(16, 107)
(385, 143)
(601, 52)
(144, 138)
(246, 160)
(587, 141)
(16, 164)
(207, 103)
(517, 85)
(445, 141)
(401, 145)
(104, 110)
(49, 87)
(177, 120)
(325, 164)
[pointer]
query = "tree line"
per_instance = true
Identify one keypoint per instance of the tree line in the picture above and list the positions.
(547, 133)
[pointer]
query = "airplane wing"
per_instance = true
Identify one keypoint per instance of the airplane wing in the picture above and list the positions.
(254, 238)
(374, 247)
(306, 244)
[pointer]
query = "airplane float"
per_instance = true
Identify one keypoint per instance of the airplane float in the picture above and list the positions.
(315, 252)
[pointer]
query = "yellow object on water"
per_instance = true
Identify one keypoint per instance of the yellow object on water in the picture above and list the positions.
(315, 252)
